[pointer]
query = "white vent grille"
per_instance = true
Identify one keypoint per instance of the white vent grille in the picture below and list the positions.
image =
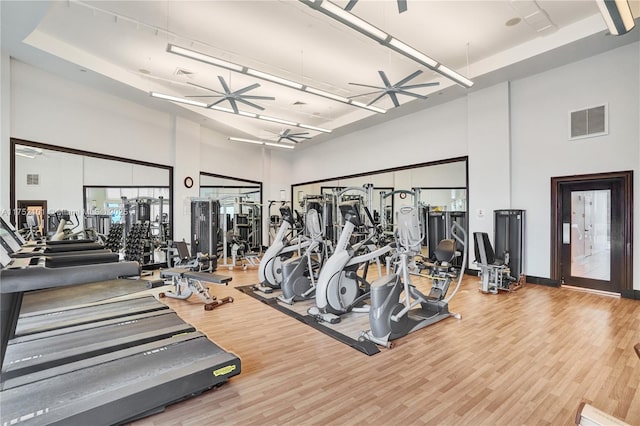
(588, 122)
(33, 179)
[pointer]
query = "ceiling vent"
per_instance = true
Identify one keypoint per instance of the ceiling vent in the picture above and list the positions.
(33, 179)
(588, 122)
(181, 72)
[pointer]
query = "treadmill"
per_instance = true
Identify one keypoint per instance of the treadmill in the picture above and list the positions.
(111, 386)
(20, 248)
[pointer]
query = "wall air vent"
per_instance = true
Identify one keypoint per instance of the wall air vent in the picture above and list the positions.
(33, 179)
(589, 122)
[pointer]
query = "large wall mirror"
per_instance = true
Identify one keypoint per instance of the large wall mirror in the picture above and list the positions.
(240, 210)
(94, 191)
(440, 188)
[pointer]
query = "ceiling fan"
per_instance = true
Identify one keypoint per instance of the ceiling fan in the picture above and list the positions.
(232, 97)
(293, 137)
(394, 89)
(402, 5)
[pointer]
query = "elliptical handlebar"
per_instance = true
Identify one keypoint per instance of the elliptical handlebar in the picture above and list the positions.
(462, 239)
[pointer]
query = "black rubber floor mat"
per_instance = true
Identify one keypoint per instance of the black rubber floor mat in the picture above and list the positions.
(357, 322)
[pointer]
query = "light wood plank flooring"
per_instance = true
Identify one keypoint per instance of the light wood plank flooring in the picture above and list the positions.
(523, 358)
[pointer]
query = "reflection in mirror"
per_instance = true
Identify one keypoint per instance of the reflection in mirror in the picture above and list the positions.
(441, 187)
(79, 194)
(240, 220)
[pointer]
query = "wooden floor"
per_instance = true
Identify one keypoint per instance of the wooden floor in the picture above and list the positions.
(523, 358)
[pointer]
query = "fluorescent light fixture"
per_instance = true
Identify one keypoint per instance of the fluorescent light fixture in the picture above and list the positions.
(326, 94)
(353, 21)
(230, 111)
(202, 57)
(259, 142)
(223, 109)
(279, 145)
(188, 53)
(363, 27)
(245, 140)
(273, 78)
(277, 120)
(412, 53)
(177, 99)
(318, 129)
(371, 107)
(21, 154)
(617, 15)
(458, 78)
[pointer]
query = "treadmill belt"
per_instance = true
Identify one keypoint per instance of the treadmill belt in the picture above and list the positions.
(35, 352)
(81, 294)
(40, 322)
(125, 385)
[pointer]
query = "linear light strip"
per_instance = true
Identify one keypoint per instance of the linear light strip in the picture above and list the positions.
(617, 15)
(207, 59)
(230, 111)
(337, 13)
(260, 142)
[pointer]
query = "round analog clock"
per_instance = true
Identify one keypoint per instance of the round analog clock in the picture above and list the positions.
(188, 181)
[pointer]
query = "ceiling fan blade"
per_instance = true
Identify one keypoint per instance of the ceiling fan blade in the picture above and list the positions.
(408, 78)
(394, 98)
(224, 85)
(246, 89)
(415, 95)
(350, 5)
(376, 99)
(402, 6)
(384, 78)
(285, 133)
(204, 87)
(300, 135)
(415, 86)
(216, 102)
(248, 103)
(364, 94)
(233, 104)
(367, 85)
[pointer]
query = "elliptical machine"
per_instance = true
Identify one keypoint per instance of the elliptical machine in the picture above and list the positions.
(299, 274)
(270, 267)
(397, 307)
(340, 289)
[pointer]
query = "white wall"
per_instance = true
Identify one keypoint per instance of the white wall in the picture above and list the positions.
(60, 181)
(540, 145)
(49, 109)
(5, 133)
(428, 135)
(489, 158)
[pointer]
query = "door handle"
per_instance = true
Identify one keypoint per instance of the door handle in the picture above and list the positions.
(566, 233)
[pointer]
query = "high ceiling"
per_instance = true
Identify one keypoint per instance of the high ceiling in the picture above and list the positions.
(121, 46)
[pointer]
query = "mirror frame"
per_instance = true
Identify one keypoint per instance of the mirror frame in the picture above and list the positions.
(12, 171)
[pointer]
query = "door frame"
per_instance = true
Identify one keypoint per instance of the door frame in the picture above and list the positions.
(22, 211)
(626, 178)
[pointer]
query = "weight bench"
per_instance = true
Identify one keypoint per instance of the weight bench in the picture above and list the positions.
(494, 274)
(188, 282)
(195, 263)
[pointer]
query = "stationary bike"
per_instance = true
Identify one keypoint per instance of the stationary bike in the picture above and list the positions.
(299, 274)
(340, 289)
(282, 248)
(397, 307)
